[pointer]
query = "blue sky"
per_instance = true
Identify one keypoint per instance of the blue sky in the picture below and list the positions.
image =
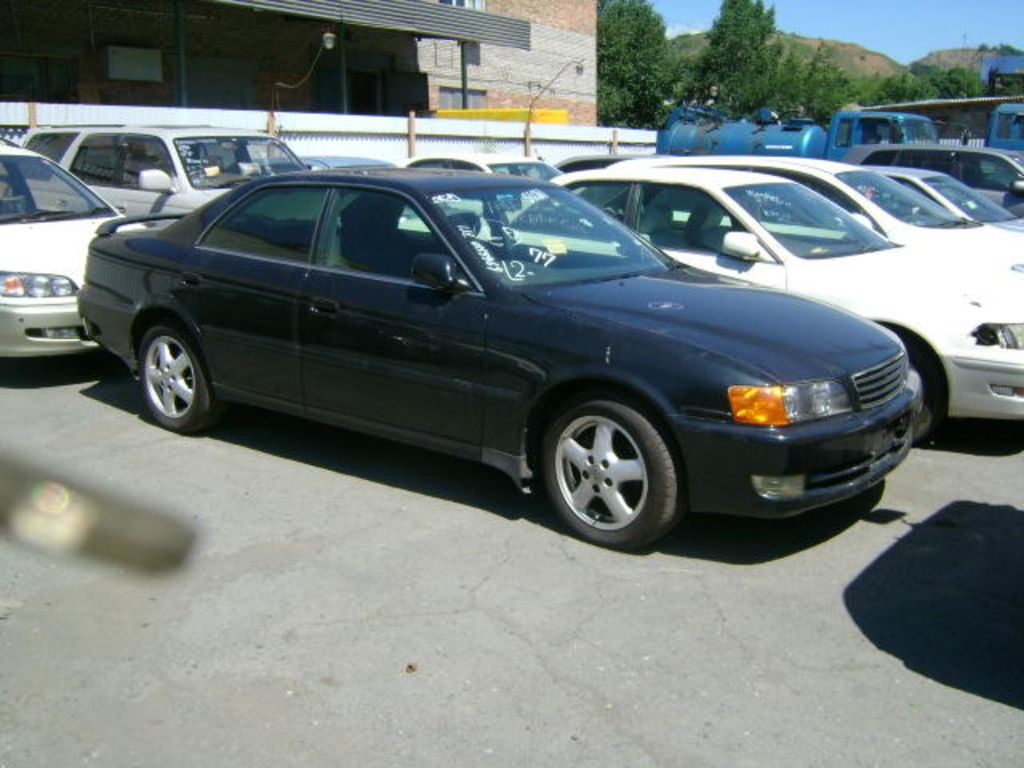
(904, 30)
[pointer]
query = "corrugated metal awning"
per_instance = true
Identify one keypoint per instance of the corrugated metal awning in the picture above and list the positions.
(430, 19)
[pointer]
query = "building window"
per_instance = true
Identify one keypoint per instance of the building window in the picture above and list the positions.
(476, 5)
(451, 98)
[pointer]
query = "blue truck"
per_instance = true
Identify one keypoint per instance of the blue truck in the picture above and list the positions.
(699, 130)
(1006, 127)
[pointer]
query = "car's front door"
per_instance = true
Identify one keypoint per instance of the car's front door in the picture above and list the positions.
(690, 225)
(379, 350)
(244, 291)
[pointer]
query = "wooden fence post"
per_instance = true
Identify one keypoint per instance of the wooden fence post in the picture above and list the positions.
(412, 134)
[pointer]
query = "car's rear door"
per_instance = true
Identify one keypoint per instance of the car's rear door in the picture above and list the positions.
(378, 350)
(245, 287)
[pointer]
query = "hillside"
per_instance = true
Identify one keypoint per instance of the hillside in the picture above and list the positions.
(855, 60)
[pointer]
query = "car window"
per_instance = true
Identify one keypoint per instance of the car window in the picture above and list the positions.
(96, 161)
(971, 202)
(374, 232)
(526, 236)
(844, 132)
(808, 225)
(875, 130)
(612, 197)
(541, 171)
(882, 157)
(986, 172)
(51, 145)
(142, 153)
(216, 162)
(438, 163)
(34, 189)
(908, 205)
(275, 223)
(673, 216)
(932, 161)
(823, 188)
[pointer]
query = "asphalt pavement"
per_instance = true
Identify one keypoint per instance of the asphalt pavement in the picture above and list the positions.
(355, 602)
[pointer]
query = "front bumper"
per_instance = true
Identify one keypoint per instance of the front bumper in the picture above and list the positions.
(838, 458)
(27, 327)
(979, 385)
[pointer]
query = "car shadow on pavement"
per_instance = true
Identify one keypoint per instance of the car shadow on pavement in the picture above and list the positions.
(947, 600)
(721, 538)
(979, 437)
(40, 372)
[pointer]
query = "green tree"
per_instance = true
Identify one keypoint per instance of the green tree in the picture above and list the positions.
(632, 64)
(956, 83)
(741, 59)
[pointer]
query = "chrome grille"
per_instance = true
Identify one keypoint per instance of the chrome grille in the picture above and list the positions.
(881, 383)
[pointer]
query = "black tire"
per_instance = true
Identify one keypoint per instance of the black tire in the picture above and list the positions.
(610, 474)
(173, 380)
(934, 391)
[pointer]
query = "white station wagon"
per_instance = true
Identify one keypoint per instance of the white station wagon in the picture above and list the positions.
(961, 320)
(154, 170)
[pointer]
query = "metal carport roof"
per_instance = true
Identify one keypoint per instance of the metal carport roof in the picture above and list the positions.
(414, 16)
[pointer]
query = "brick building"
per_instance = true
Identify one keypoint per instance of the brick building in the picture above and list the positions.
(377, 57)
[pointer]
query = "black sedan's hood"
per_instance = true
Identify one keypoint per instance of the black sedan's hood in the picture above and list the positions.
(780, 336)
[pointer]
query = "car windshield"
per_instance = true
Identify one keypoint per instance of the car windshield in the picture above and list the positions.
(215, 162)
(907, 205)
(532, 170)
(34, 189)
(972, 203)
(807, 224)
(541, 236)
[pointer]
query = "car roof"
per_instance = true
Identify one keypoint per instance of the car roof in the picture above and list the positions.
(905, 171)
(828, 167)
(484, 158)
(12, 151)
(863, 150)
(405, 179)
(167, 131)
(698, 177)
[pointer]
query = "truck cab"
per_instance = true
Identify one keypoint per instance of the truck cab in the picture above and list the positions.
(1006, 127)
(849, 129)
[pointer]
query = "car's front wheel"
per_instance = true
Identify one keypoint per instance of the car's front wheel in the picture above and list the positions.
(610, 474)
(174, 384)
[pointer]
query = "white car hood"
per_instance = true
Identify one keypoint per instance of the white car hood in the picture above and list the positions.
(970, 245)
(914, 282)
(47, 247)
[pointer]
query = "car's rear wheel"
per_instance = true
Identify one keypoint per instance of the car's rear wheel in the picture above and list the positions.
(610, 474)
(174, 384)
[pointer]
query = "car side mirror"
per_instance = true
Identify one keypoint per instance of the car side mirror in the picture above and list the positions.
(742, 245)
(155, 180)
(440, 271)
(1017, 187)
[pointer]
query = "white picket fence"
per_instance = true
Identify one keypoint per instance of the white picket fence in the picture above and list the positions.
(310, 134)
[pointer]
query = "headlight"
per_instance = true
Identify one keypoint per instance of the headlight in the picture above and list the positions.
(1007, 336)
(781, 405)
(36, 286)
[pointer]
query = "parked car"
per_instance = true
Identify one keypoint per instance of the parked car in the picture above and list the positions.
(593, 162)
(961, 319)
(4, 141)
(47, 218)
(511, 165)
(323, 162)
(902, 215)
(147, 169)
(997, 173)
(507, 321)
(953, 195)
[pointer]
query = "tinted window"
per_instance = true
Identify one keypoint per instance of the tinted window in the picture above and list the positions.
(875, 131)
(882, 157)
(541, 171)
(844, 133)
(436, 163)
(683, 218)
(986, 171)
(52, 145)
(277, 223)
(933, 161)
(96, 161)
(612, 197)
(35, 189)
(375, 232)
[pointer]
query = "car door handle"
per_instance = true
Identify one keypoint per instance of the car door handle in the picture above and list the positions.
(190, 278)
(323, 307)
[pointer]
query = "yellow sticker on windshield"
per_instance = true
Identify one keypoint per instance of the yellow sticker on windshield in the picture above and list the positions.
(557, 247)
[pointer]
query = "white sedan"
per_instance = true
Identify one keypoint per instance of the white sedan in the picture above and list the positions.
(962, 321)
(47, 218)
